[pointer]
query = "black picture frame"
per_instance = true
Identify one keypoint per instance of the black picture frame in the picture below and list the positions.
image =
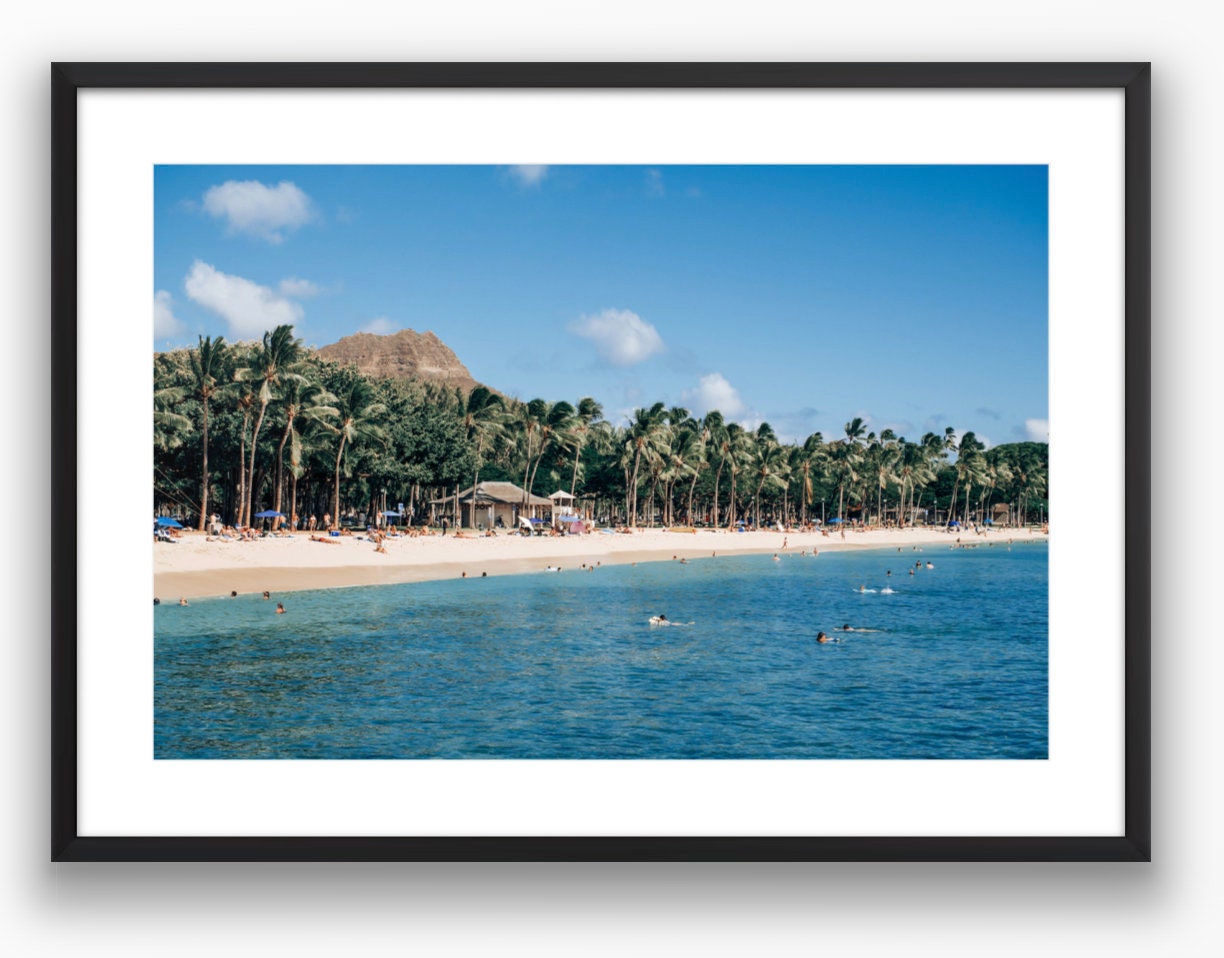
(1134, 79)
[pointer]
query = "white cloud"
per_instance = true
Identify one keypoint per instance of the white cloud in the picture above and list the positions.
(714, 392)
(263, 211)
(165, 324)
(1037, 430)
(250, 309)
(620, 336)
(298, 288)
(380, 326)
(528, 174)
(654, 183)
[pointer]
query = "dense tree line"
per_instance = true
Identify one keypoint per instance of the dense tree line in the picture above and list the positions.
(247, 427)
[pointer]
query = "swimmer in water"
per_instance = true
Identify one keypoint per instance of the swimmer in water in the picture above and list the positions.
(775, 557)
(911, 571)
(821, 637)
(887, 591)
(280, 609)
(182, 601)
(930, 565)
(267, 596)
(553, 568)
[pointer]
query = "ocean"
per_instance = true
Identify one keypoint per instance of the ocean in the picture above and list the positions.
(566, 665)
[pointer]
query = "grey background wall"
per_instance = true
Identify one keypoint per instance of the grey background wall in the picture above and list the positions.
(1165, 908)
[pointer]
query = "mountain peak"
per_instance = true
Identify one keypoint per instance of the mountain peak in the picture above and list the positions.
(405, 354)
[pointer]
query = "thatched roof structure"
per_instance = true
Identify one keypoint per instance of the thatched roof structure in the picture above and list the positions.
(493, 493)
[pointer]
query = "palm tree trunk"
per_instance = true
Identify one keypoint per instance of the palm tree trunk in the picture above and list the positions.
(292, 497)
(632, 492)
(246, 418)
(250, 503)
(336, 494)
(280, 454)
(574, 478)
(692, 486)
(204, 473)
(717, 476)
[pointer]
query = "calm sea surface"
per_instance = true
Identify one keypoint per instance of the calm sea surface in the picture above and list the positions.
(565, 665)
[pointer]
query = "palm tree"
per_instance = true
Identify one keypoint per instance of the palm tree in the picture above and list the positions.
(844, 457)
(208, 362)
(357, 415)
(966, 469)
(768, 465)
(271, 364)
(739, 448)
(719, 442)
(588, 412)
(645, 430)
(970, 464)
(168, 426)
(302, 400)
(806, 458)
(690, 455)
(996, 471)
(527, 420)
(882, 457)
(483, 413)
(554, 424)
(245, 400)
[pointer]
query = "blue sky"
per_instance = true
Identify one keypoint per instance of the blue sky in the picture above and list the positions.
(915, 297)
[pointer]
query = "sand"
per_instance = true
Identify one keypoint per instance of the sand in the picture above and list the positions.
(193, 566)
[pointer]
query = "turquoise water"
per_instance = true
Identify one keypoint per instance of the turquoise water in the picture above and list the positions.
(566, 665)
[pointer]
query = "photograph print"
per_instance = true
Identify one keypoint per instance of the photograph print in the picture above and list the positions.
(600, 462)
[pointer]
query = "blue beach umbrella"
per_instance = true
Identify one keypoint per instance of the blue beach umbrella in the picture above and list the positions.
(833, 520)
(269, 514)
(954, 523)
(167, 523)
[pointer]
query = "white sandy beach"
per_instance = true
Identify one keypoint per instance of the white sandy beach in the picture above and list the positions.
(193, 566)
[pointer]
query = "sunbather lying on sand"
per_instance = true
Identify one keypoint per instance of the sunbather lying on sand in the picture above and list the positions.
(325, 539)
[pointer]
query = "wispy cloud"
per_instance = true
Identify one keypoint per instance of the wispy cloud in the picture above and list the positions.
(713, 391)
(248, 308)
(654, 183)
(989, 413)
(266, 212)
(620, 336)
(1037, 430)
(529, 175)
(298, 288)
(380, 326)
(165, 324)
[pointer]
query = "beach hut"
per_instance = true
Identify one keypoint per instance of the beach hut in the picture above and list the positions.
(485, 504)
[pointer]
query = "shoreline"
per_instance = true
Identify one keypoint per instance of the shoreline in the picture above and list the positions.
(195, 568)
